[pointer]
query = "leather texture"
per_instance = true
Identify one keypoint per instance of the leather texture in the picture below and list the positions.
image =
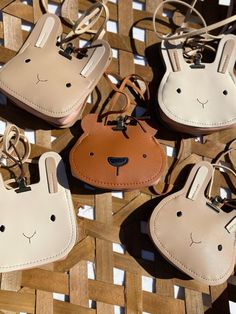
(38, 226)
(117, 160)
(44, 82)
(199, 100)
(193, 235)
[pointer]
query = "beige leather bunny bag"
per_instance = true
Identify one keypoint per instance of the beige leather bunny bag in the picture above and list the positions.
(37, 222)
(53, 80)
(193, 233)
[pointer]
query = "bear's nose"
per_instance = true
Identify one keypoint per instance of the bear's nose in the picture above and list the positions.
(117, 161)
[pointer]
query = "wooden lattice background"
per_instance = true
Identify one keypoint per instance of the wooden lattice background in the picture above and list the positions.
(112, 237)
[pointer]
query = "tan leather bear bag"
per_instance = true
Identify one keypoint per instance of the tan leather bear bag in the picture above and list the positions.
(37, 221)
(193, 233)
(197, 97)
(53, 80)
(118, 155)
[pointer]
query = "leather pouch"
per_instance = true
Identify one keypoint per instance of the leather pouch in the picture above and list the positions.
(53, 80)
(121, 154)
(199, 98)
(193, 233)
(37, 222)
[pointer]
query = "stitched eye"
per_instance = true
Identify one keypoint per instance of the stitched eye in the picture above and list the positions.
(144, 156)
(220, 247)
(53, 218)
(225, 92)
(179, 214)
(27, 60)
(68, 85)
(91, 154)
(178, 90)
(2, 228)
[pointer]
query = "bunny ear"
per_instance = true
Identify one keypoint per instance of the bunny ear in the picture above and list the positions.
(198, 180)
(226, 54)
(172, 53)
(52, 173)
(45, 32)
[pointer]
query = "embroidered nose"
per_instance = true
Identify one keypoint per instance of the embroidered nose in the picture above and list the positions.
(29, 237)
(192, 241)
(202, 103)
(40, 80)
(117, 161)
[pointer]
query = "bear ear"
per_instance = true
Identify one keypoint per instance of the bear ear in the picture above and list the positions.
(45, 32)
(226, 54)
(150, 130)
(90, 122)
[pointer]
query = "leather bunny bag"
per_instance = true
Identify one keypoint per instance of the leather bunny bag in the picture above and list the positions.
(119, 155)
(199, 98)
(51, 80)
(203, 242)
(37, 222)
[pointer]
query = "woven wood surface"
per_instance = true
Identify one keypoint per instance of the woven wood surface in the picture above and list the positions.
(112, 236)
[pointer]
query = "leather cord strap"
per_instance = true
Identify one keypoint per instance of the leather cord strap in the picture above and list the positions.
(86, 21)
(9, 142)
(187, 33)
(131, 81)
(217, 165)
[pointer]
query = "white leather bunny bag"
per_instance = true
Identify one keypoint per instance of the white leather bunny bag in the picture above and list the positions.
(53, 80)
(37, 224)
(199, 98)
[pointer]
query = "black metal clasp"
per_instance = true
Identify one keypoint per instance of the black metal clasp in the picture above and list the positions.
(197, 62)
(120, 124)
(68, 51)
(22, 186)
(215, 203)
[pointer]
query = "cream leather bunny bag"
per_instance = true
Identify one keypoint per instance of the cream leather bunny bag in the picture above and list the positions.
(199, 98)
(193, 233)
(37, 222)
(53, 80)
(196, 97)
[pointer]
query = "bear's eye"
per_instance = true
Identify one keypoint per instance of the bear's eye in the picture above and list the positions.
(2, 228)
(68, 85)
(225, 92)
(144, 155)
(91, 154)
(220, 247)
(27, 60)
(179, 213)
(53, 218)
(178, 90)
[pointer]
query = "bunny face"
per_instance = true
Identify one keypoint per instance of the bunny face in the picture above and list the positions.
(200, 96)
(116, 160)
(204, 247)
(37, 226)
(47, 81)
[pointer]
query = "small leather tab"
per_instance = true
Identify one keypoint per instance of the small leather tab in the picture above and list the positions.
(231, 226)
(197, 182)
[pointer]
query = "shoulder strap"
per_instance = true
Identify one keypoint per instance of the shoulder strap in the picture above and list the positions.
(135, 82)
(217, 165)
(186, 33)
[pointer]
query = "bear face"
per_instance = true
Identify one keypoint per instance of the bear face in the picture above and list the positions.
(203, 243)
(31, 222)
(199, 95)
(117, 160)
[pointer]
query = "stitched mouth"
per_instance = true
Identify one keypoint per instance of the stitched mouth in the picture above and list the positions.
(39, 80)
(192, 241)
(202, 103)
(29, 238)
